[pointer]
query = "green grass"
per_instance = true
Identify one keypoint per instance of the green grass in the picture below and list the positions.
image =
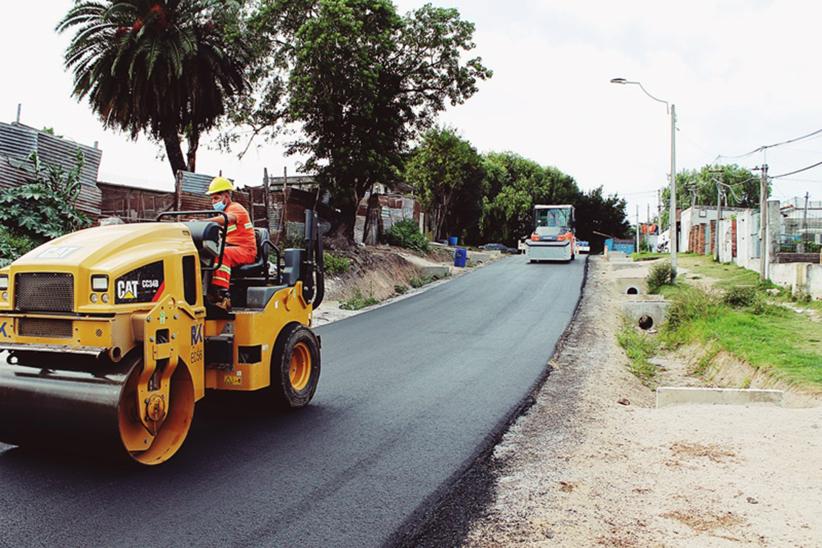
(726, 275)
(771, 338)
(358, 301)
(334, 264)
(639, 347)
(418, 281)
(648, 256)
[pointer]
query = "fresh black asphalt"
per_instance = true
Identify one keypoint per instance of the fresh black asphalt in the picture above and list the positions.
(410, 393)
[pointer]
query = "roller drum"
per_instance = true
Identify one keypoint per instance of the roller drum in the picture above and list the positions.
(67, 410)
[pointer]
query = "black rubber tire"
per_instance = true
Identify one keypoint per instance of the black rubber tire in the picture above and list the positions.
(282, 391)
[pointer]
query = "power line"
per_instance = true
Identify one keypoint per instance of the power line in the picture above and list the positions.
(797, 171)
(766, 147)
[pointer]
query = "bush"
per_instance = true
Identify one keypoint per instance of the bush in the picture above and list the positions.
(407, 234)
(44, 207)
(740, 296)
(660, 274)
(14, 245)
(334, 264)
(400, 289)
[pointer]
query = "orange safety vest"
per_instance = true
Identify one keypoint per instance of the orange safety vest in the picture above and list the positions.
(241, 232)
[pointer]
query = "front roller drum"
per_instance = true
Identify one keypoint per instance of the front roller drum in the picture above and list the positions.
(91, 412)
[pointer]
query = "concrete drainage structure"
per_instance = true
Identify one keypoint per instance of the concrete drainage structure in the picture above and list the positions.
(645, 311)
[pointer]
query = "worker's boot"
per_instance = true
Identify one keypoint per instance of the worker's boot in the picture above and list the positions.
(219, 297)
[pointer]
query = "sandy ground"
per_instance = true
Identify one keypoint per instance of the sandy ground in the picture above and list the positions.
(615, 471)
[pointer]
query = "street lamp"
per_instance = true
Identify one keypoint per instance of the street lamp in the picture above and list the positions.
(671, 108)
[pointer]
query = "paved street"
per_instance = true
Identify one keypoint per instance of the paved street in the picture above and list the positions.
(408, 395)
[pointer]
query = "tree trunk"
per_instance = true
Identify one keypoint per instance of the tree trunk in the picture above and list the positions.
(193, 145)
(174, 153)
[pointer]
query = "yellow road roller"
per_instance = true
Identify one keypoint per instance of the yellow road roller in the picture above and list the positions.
(107, 340)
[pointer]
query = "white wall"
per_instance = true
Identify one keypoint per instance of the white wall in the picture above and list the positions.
(799, 276)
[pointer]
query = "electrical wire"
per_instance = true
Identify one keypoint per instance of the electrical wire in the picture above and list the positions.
(766, 147)
(796, 171)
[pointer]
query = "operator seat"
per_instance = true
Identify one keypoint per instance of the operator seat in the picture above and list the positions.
(206, 236)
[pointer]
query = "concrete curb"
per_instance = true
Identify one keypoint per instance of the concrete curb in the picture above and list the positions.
(667, 396)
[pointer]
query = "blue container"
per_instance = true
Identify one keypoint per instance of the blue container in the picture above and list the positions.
(460, 257)
(453, 240)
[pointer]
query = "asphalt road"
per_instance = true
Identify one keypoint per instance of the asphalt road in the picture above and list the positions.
(409, 394)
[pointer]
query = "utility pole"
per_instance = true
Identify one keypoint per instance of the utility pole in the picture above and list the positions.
(637, 228)
(718, 217)
(803, 238)
(763, 221)
(673, 189)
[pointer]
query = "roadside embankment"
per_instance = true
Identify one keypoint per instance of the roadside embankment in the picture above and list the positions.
(366, 276)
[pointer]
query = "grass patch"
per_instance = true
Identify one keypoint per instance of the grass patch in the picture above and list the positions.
(648, 256)
(726, 275)
(767, 337)
(334, 264)
(418, 281)
(640, 348)
(358, 301)
(400, 289)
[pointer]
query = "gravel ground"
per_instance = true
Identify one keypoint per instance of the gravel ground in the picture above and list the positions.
(593, 463)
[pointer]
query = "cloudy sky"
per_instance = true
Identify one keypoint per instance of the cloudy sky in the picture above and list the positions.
(742, 75)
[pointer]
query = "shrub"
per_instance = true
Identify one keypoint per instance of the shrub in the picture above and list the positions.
(407, 234)
(334, 264)
(400, 289)
(659, 275)
(14, 245)
(740, 296)
(43, 207)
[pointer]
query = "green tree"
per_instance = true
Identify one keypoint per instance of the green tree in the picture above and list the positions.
(363, 81)
(165, 67)
(440, 168)
(515, 184)
(596, 212)
(699, 187)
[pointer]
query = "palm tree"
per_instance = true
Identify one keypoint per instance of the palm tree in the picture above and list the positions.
(166, 67)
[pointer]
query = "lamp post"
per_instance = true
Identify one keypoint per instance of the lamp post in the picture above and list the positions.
(671, 108)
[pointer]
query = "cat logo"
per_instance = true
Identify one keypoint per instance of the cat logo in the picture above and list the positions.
(127, 290)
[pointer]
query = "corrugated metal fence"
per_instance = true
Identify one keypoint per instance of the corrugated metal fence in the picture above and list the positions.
(17, 142)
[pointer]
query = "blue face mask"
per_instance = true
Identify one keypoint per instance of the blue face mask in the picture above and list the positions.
(219, 206)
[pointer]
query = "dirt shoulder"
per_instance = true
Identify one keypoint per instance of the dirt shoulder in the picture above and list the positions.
(593, 462)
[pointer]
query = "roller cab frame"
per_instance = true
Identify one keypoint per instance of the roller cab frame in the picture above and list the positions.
(107, 340)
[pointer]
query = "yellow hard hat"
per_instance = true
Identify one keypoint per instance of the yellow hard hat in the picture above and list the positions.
(219, 184)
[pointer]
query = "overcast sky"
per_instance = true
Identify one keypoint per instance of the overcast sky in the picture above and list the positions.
(742, 75)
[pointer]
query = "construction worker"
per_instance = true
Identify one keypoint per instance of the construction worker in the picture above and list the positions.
(241, 244)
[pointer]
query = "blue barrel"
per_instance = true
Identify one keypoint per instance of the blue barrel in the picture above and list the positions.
(453, 240)
(460, 257)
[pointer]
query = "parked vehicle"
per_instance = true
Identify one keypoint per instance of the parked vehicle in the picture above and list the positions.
(583, 246)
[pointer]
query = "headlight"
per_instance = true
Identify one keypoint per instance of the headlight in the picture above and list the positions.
(99, 283)
(4, 282)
